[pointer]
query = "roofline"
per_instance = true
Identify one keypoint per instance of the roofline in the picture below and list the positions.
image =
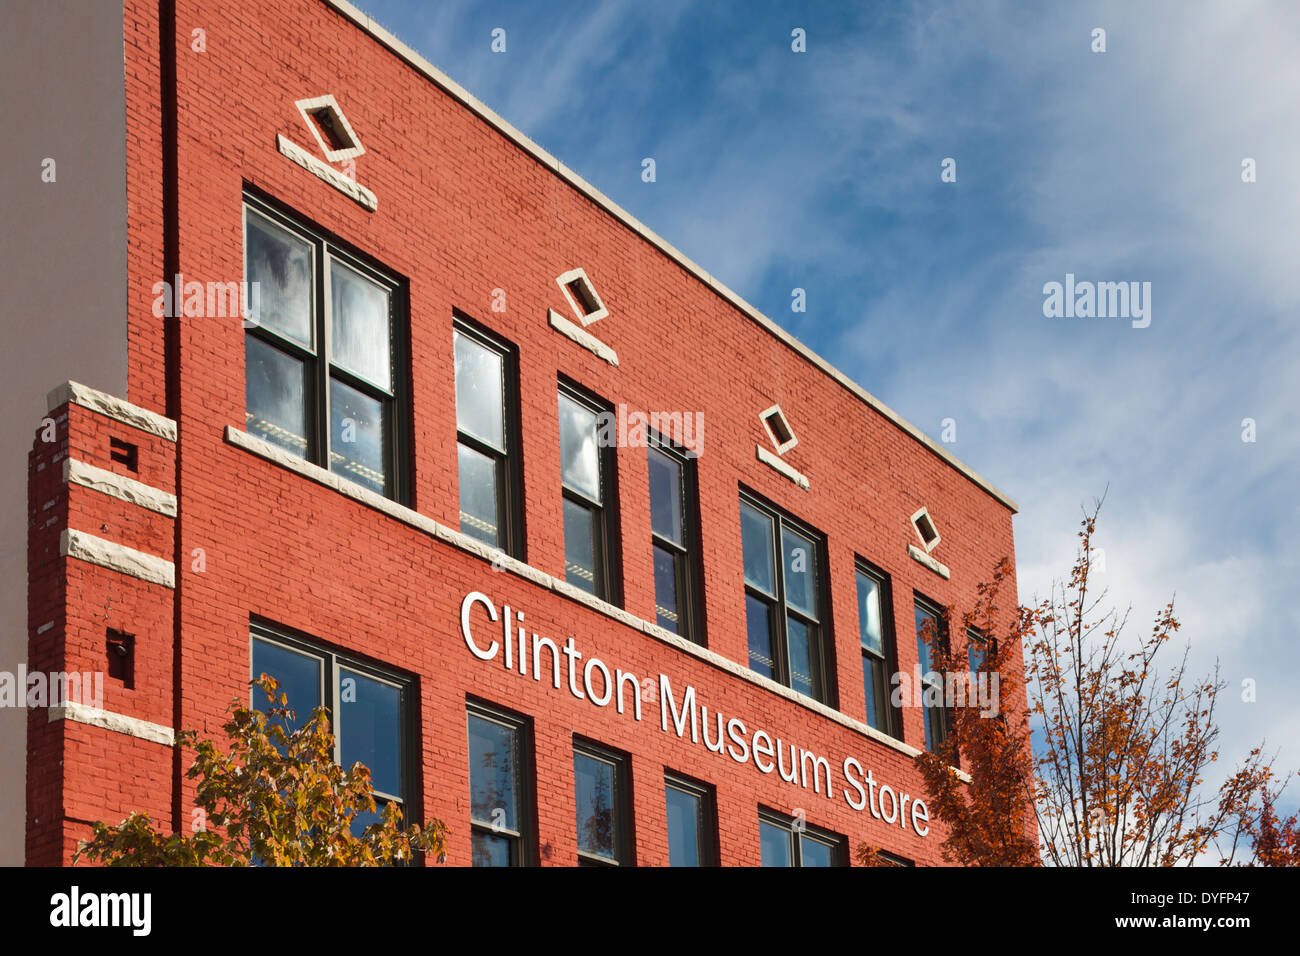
(453, 88)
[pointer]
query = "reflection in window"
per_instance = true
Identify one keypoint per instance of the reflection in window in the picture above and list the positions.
(496, 785)
(330, 398)
(785, 842)
(690, 823)
(672, 531)
(369, 712)
(783, 600)
(486, 463)
(586, 472)
(600, 799)
(877, 650)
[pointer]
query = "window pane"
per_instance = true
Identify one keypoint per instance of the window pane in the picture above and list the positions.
(358, 430)
(870, 624)
(478, 495)
(803, 656)
(494, 773)
(363, 819)
(579, 456)
(596, 792)
(299, 676)
(370, 728)
(360, 339)
(666, 496)
(480, 402)
(756, 542)
(872, 681)
(775, 844)
(685, 824)
(281, 264)
(976, 650)
(922, 646)
(815, 852)
(666, 608)
(490, 849)
(579, 546)
(275, 394)
(758, 618)
(800, 572)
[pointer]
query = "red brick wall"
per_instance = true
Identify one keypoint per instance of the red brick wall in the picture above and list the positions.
(463, 211)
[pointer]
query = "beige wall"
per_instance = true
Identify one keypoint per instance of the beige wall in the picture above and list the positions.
(62, 277)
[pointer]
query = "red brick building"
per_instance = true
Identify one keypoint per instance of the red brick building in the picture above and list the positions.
(591, 560)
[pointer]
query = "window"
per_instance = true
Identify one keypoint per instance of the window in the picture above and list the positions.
(926, 530)
(587, 477)
(486, 440)
(784, 600)
(936, 714)
(499, 773)
(321, 370)
(786, 842)
(979, 648)
(691, 823)
(370, 710)
(673, 524)
(602, 806)
(892, 859)
(878, 659)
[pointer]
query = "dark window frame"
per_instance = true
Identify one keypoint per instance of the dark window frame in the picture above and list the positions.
(778, 626)
(625, 835)
(943, 725)
(509, 465)
(707, 793)
(796, 831)
(332, 661)
(524, 841)
(605, 524)
(688, 570)
(318, 364)
(889, 636)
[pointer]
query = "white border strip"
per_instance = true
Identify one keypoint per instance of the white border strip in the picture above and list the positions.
(350, 188)
(767, 458)
(367, 23)
(922, 558)
(124, 412)
(119, 723)
(499, 559)
(116, 557)
(582, 337)
(119, 486)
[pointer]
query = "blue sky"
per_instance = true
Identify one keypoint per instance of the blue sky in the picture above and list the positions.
(820, 170)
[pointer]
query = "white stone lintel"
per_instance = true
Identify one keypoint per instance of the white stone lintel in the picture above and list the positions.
(582, 337)
(767, 458)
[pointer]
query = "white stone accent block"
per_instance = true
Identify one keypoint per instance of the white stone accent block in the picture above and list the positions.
(119, 723)
(350, 188)
(116, 557)
(582, 337)
(115, 408)
(767, 458)
(118, 486)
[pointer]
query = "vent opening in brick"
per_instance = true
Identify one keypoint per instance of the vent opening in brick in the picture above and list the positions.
(925, 528)
(125, 453)
(778, 429)
(584, 301)
(121, 658)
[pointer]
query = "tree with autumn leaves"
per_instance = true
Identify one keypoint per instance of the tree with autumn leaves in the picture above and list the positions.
(275, 798)
(1124, 744)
